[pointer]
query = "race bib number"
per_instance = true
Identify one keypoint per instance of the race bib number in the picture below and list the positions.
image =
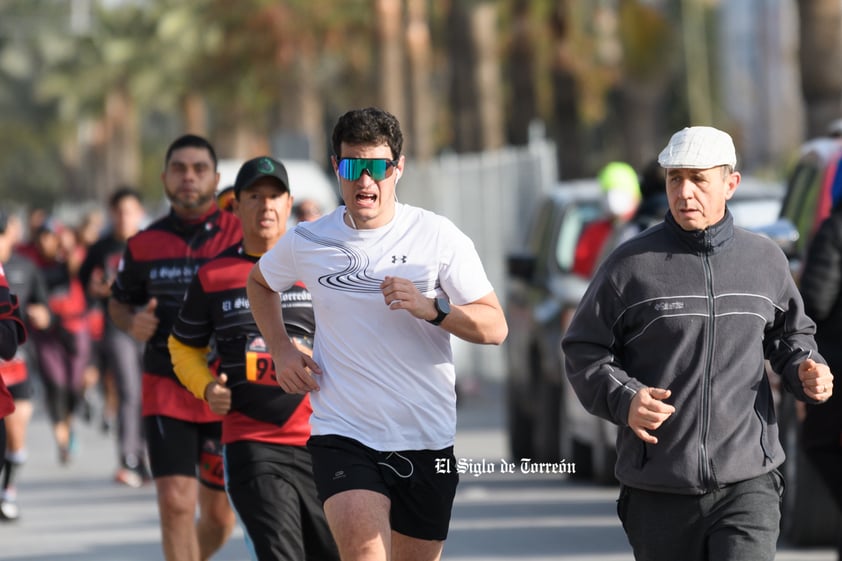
(259, 366)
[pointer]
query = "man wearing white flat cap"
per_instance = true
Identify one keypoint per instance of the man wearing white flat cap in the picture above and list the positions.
(669, 343)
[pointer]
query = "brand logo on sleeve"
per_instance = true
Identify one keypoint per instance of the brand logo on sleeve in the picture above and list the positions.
(669, 306)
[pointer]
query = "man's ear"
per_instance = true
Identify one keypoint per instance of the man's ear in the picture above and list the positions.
(731, 184)
(335, 165)
(399, 168)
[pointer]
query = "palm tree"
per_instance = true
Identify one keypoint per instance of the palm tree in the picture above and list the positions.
(484, 23)
(475, 94)
(389, 35)
(821, 62)
(523, 98)
(647, 69)
(568, 136)
(422, 97)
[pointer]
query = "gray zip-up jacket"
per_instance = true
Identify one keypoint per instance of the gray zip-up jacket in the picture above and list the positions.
(695, 313)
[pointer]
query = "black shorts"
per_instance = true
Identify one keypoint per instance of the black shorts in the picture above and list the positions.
(420, 492)
(271, 487)
(23, 390)
(179, 447)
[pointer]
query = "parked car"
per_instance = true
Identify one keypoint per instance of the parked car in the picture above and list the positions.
(542, 295)
(545, 419)
(807, 199)
(809, 516)
(756, 203)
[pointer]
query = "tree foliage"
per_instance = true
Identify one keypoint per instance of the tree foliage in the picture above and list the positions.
(91, 98)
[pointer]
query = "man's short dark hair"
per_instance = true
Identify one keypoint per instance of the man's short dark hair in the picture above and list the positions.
(123, 193)
(191, 141)
(369, 126)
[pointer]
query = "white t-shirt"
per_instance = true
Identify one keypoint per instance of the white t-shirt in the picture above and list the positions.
(388, 379)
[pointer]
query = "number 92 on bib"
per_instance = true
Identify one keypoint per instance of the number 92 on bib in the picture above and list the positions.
(259, 366)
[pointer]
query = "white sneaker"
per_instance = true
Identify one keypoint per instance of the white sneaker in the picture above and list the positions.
(129, 478)
(9, 511)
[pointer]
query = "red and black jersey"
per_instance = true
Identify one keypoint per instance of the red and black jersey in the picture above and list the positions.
(160, 262)
(26, 282)
(12, 333)
(217, 307)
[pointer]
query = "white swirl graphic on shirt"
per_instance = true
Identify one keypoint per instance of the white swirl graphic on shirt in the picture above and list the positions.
(355, 277)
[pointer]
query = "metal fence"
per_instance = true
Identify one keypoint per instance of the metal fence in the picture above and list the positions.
(490, 196)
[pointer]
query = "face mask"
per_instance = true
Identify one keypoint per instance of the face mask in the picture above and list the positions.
(620, 202)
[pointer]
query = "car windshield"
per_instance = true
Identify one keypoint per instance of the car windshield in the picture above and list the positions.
(577, 217)
(756, 202)
(753, 213)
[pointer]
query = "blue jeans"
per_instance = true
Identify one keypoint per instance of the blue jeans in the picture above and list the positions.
(739, 522)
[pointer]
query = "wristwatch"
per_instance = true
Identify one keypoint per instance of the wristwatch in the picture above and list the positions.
(443, 308)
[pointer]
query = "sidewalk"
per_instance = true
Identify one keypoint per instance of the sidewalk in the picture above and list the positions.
(77, 512)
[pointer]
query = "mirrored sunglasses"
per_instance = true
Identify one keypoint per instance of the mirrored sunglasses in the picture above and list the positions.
(351, 169)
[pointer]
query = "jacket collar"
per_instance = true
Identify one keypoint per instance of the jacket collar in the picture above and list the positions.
(205, 221)
(711, 240)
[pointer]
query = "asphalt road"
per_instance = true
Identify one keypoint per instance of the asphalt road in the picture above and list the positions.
(76, 513)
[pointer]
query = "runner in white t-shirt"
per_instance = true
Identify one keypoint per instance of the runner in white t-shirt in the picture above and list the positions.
(390, 283)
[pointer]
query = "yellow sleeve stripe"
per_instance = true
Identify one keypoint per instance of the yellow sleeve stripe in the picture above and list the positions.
(191, 366)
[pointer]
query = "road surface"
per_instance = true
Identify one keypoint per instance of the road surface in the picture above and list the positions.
(76, 513)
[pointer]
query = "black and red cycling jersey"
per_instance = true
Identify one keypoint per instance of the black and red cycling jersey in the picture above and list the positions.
(27, 283)
(217, 307)
(13, 334)
(160, 262)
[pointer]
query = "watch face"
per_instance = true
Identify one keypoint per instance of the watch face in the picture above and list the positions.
(442, 308)
(443, 305)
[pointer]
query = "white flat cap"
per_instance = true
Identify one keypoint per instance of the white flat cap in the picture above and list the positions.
(699, 148)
